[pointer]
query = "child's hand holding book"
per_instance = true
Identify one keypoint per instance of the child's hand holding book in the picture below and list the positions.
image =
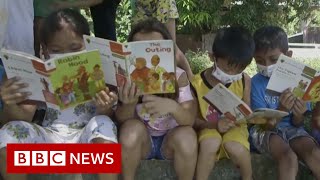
(225, 124)
(11, 91)
(286, 100)
(104, 101)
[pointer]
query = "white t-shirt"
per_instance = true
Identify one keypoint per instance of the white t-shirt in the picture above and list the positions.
(19, 27)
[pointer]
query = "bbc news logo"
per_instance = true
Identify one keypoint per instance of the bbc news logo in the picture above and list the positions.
(63, 158)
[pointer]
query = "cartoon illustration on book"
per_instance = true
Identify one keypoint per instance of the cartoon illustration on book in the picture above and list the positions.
(168, 81)
(301, 78)
(65, 81)
(48, 95)
(97, 76)
(144, 63)
(140, 74)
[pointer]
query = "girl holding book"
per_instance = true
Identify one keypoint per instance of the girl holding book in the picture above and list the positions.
(86, 123)
(157, 126)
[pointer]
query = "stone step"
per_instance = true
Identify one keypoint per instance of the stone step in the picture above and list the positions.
(263, 169)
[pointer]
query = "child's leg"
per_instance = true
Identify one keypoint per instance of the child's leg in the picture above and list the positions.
(241, 157)
(308, 151)
(236, 145)
(180, 144)
(284, 156)
(210, 141)
(3, 165)
(269, 142)
(100, 129)
(18, 132)
(136, 144)
(105, 176)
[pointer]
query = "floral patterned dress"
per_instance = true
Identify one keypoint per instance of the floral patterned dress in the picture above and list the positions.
(78, 124)
(162, 10)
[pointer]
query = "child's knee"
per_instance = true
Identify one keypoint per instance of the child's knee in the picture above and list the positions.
(132, 133)
(235, 149)
(99, 119)
(185, 140)
(315, 152)
(210, 146)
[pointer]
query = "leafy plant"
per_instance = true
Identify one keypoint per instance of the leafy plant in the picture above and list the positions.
(200, 61)
(123, 20)
(205, 16)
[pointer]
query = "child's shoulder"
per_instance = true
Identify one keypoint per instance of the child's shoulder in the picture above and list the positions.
(258, 78)
(199, 79)
(182, 77)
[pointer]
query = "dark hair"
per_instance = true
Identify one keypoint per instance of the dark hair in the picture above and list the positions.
(156, 76)
(147, 26)
(54, 22)
(234, 44)
(271, 37)
(97, 66)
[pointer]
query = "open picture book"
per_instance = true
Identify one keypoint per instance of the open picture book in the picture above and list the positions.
(148, 64)
(233, 108)
(63, 81)
(303, 80)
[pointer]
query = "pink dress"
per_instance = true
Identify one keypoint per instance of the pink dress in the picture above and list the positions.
(160, 126)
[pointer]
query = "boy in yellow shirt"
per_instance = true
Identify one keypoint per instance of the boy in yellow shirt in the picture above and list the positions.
(219, 137)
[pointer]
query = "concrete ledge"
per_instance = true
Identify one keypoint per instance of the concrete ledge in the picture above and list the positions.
(263, 168)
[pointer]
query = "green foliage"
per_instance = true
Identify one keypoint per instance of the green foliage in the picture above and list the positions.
(205, 16)
(198, 15)
(123, 20)
(200, 61)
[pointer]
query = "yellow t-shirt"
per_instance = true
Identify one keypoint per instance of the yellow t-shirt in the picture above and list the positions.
(202, 87)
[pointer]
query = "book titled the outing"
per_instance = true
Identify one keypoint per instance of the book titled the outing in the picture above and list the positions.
(64, 81)
(233, 108)
(148, 64)
(303, 80)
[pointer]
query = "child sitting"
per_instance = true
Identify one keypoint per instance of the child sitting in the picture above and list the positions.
(87, 123)
(311, 122)
(158, 126)
(286, 140)
(219, 137)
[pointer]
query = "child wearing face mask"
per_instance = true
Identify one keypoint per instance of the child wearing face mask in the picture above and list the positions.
(86, 123)
(218, 136)
(286, 140)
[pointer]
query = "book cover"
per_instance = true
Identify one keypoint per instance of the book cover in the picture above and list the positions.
(113, 55)
(301, 78)
(233, 108)
(64, 81)
(149, 64)
(76, 79)
(152, 66)
(17, 64)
